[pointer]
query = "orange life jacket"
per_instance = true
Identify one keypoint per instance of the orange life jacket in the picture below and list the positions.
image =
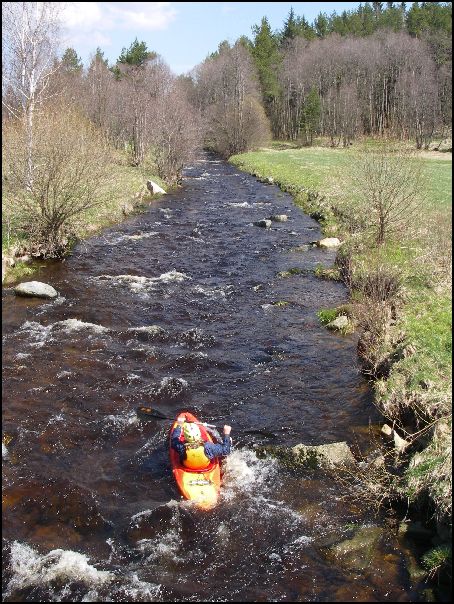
(195, 456)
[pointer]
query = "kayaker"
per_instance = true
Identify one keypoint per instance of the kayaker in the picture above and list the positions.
(194, 452)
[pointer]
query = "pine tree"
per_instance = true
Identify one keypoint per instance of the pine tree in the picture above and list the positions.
(321, 25)
(311, 114)
(290, 29)
(137, 54)
(70, 62)
(131, 67)
(266, 57)
(99, 57)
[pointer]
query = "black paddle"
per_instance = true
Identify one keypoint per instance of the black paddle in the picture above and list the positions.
(151, 413)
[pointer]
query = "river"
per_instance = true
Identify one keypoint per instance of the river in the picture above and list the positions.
(182, 307)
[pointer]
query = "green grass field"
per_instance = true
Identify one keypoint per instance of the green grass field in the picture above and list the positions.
(319, 168)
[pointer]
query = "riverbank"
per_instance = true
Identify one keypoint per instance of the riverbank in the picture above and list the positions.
(401, 305)
(124, 193)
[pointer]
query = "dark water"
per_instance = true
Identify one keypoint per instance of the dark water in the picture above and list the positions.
(90, 510)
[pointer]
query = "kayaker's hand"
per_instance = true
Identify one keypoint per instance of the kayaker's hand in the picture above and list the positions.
(227, 430)
(181, 419)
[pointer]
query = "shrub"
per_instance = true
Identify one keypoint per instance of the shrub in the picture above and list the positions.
(69, 166)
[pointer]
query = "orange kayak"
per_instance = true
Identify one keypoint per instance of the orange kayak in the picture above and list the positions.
(200, 486)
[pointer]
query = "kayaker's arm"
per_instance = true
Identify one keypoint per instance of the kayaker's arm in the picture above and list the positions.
(175, 441)
(219, 449)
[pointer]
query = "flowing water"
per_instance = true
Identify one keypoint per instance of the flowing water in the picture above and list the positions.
(177, 308)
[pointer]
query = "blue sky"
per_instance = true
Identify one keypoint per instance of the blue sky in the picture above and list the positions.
(183, 33)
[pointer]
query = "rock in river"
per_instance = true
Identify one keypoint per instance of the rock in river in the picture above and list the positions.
(35, 289)
(266, 224)
(279, 217)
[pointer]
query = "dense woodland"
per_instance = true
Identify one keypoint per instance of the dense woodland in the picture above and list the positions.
(383, 69)
(377, 70)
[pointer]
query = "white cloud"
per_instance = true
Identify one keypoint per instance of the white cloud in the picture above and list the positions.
(227, 8)
(107, 16)
(82, 15)
(146, 15)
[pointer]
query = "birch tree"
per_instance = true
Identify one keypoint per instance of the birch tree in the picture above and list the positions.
(30, 31)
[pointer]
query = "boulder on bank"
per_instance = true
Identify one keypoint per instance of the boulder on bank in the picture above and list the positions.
(127, 209)
(400, 443)
(35, 289)
(269, 180)
(328, 242)
(154, 188)
(339, 324)
(7, 262)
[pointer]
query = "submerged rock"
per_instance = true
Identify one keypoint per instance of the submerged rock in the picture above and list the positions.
(327, 456)
(35, 289)
(266, 224)
(279, 217)
(359, 552)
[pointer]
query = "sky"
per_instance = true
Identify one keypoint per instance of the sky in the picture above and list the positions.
(183, 33)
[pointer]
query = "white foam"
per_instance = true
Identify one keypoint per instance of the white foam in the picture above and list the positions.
(118, 423)
(173, 275)
(5, 453)
(136, 237)
(64, 373)
(245, 474)
(131, 590)
(213, 292)
(168, 545)
(30, 569)
(135, 519)
(243, 204)
(40, 333)
(137, 282)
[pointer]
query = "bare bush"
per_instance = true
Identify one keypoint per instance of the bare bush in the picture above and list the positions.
(175, 135)
(385, 193)
(228, 96)
(70, 165)
(378, 290)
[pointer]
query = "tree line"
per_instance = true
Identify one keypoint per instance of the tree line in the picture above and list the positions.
(376, 70)
(373, 71)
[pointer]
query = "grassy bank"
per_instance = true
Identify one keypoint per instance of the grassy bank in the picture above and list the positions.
(406, 334)
(123, 193)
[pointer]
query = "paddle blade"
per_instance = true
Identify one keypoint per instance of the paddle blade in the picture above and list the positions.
(151, 412)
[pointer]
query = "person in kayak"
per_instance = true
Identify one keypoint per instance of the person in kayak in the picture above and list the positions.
(194, 452)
